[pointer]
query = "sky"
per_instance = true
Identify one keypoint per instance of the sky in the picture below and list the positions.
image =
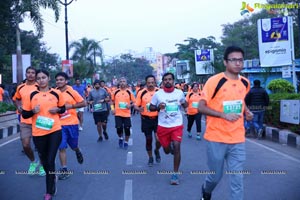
(138, 24)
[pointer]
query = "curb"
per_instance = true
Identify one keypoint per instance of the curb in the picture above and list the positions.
(283, 136)
(8, 131)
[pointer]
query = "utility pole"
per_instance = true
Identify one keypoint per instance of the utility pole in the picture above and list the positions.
(66, 25)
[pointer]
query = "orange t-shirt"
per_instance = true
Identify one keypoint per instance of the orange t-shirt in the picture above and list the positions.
(121, 98)
(143, 99)
(232, 93)
(72, 97)
(192, 99)
(1, 94)
(23, 94)
(44, 122)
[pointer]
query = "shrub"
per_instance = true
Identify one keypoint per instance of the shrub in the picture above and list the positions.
(281, 86)
(4, 107)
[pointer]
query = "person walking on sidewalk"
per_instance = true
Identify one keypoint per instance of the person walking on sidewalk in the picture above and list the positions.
(121, 106)
(149, 119)
(168, 102)
(44, 106)
(20, 98)
(222, 101)
(69, 122)
(99, 98)
(192, 98)
(257, 100)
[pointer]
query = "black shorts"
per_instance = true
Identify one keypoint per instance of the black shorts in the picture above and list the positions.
(122, 122)
(100, 117)
(149, 124)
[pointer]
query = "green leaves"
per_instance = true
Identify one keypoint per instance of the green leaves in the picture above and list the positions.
(281, 86)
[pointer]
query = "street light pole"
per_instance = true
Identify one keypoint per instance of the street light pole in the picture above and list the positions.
(66, 26)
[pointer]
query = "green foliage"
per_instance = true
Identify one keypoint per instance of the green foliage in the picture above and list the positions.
(4, 107)
(272, 115)
(280, 86)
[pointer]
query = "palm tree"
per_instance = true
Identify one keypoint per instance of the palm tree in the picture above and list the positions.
(30, 8)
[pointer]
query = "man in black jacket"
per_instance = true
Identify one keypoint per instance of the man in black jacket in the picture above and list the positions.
(257, 100)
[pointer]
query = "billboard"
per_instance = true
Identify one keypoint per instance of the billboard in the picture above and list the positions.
(67, 67)
(275, 41)
(26, 62)
(204, 59)
(182, 67)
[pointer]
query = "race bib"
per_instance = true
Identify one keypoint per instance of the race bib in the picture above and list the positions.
(64, 115)
(194, 104)
(98, 106)
(122, 105)
(44, 123)
(171, 107)
(148, 107)
(233, 106)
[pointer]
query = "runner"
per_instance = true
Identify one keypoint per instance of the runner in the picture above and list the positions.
(222, 101)
(99, 98)
(20, 98)
(80, 88)
(44, 106)
(69, 122)
(193, 114)
(168, 102)
(121, 104)
(148, 118)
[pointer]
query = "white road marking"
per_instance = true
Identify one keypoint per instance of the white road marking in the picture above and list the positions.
(128, 190)
(275, 151)
(129, 158)
(9, 141)
(130, 142)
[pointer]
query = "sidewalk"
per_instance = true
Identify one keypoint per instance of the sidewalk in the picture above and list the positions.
(9, 124)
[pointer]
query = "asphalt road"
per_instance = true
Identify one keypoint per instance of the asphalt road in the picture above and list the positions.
(272, 171)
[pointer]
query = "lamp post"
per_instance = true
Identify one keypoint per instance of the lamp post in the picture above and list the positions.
(66, 25)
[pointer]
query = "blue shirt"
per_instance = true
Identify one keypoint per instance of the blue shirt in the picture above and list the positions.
(80, 89)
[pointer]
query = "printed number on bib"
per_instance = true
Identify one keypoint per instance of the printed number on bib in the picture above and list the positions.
(171, 107)
(44, 123)
(98, 106)
(122, 105)
(233, 106)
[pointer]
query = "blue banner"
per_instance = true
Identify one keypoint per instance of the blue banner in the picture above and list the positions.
(203, 55)
(275, 29)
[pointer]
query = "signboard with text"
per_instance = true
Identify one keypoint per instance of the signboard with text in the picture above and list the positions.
(203, 61)
(67, 67)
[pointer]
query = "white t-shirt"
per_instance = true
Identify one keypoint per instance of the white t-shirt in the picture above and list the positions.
(171, 116)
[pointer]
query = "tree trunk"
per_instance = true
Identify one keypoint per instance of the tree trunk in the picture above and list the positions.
(19, 57)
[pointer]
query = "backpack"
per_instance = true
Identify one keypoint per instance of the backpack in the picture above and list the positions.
(221, 83)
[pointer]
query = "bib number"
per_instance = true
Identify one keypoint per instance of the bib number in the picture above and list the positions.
(122, 105)
(233, 106)
(44, 123)
(98, 106)
(171, 107)
(195, 105)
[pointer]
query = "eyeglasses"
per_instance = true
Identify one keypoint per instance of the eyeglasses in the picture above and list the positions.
(235, 60)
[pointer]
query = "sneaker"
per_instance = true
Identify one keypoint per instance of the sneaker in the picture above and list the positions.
(100, 139)
(150, 162)
(63, 174)
(205, 195)
(80, 128)
(121, 143)
(125, 145)
(157, 156)
(174, 179)
(105, 135)
(198, 137)
(47, 197)
(190, 135)
(42, 171)
(79, 157)
(259, 133)
(32, 168)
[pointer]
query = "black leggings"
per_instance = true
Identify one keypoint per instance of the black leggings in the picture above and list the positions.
(191, 119)
(47, 147)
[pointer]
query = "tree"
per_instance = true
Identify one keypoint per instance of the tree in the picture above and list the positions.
(31, 8)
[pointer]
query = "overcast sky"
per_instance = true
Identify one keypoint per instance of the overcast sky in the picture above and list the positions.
(137, 24)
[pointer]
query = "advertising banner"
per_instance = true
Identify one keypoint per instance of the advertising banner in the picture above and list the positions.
(67, 67)
(203, 61)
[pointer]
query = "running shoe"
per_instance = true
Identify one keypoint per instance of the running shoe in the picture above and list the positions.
(47, 197)
(198, 137)
(125, 145)
(80, 128)
(174, 179)
(259, 133)
(100, 139)
(150, 162)
(105, 135)
(157, 156)
(42, 171)
(189, 134)
(63, 174)
(121, 143)
(79, 157)
(32, 168)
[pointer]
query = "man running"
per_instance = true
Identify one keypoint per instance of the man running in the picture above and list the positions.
(69, 122)
(121, 105)
(80, 88)
(148, 118)
(99, 98)
(168, 101)
(20, 98)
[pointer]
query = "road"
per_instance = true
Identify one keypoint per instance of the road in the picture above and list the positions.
(272, 170)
